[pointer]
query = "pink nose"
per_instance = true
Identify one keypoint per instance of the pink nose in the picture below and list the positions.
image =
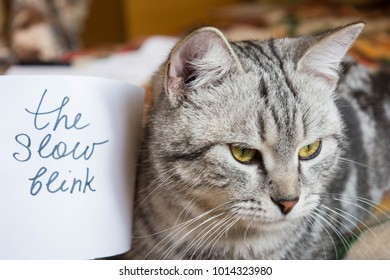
(286, 205)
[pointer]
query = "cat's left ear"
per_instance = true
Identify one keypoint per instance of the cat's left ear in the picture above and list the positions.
(327, 50)
(202, 58)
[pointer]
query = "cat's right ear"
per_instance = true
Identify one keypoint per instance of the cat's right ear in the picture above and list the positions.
(323, 57)
(202, 58)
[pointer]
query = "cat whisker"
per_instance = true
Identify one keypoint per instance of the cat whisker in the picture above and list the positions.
(194, 220)
(247, 229)
(173, 235)
(180, 227)
(161, 175)
(350, 218)
(178, 241)
(176, 225)
(339, 222)
(164, 182)
(219, 235)
(358, 163)
(202, 234)
(309, 219)
(185, 209)
(363, 200)
(334, 229)
(362, 105)
(328, 233)
(203, 237)
(345, 217)
(155, 189)
(348, 231)
(367, 227)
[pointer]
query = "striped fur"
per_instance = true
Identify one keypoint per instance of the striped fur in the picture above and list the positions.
(195, 201)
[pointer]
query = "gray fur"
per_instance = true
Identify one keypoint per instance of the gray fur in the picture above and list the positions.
(195, 201)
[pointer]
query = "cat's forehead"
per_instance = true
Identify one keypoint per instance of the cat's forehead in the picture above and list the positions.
(267, 56)
(272, 75)
(277, 112)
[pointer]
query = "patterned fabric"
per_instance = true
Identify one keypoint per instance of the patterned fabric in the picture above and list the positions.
(45, 29)
(2, 21)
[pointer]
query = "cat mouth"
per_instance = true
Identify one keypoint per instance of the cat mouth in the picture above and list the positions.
(253, 214)
(276, 225)
(255, 220)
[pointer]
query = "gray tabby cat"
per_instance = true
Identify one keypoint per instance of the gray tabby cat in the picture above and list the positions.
(259, 150)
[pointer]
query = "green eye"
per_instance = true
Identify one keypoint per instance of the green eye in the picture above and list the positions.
(310, 151)
(242, 154)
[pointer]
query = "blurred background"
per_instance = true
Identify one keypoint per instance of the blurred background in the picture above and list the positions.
(75, 32)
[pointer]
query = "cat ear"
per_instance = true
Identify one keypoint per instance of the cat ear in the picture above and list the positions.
(324, 56)
(203, 57)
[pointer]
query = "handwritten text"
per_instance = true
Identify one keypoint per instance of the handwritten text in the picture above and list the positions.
(55, 122)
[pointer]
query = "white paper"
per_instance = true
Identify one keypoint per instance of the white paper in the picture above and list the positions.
(68, 151)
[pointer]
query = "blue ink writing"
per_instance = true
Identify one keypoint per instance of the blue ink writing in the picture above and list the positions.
(60, 117)
(25, 141)
(52, 120)
(54, 184)
(57, 151)
(62, 149)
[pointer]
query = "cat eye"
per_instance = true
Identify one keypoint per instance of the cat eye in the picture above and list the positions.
(310, 151)
(242, 154)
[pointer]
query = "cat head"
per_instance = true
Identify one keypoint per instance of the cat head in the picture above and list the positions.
(250, 127)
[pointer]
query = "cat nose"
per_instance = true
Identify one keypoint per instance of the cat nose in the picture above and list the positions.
(285, 204)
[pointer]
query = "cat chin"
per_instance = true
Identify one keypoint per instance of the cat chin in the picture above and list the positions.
(275, 227)
(268, 225)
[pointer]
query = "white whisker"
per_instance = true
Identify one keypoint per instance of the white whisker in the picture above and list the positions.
(214, 230)
(357, 163)
(343, 225)
(335, 230)
(309, 218)
(364, 200)
(156, 188)
(360, 207)
(247, 228)
(203, 234)
(179, 228)
(367, 227)
(177, 242)
(223, 232)
(336, 220)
